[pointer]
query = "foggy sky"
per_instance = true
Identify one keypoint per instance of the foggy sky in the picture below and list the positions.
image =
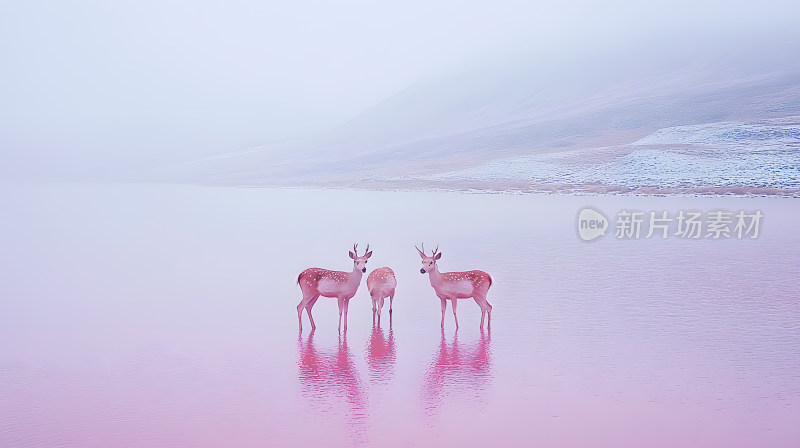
(89, 87)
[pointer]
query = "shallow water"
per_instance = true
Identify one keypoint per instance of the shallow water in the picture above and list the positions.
(137, 315)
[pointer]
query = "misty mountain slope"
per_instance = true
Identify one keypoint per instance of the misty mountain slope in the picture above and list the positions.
(421, 136)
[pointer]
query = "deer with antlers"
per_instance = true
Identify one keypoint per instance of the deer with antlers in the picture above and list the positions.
(457, 285)
(315, 282)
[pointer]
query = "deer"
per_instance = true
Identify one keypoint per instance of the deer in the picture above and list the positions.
(457, 285)
(381, 284)
(315, 282)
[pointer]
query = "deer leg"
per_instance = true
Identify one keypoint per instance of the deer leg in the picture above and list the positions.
(346, 306)
(303, 303)
(486, 308)
(489, 312)
(310, 305)
(444, 307)
(380, 307)
(373, 310)
(341, 308)
(391, 299)
(300, 307)
(454, 302)
(480, 301)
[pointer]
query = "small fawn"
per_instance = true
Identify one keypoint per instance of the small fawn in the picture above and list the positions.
(315, 282)
(381, 284)
(457, 285)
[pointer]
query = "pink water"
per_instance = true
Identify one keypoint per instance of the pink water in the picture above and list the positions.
(165, 316)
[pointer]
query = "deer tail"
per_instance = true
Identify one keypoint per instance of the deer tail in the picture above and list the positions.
(299, 277)
(490, 279)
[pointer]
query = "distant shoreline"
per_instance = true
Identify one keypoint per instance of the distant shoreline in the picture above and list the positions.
(543, 189)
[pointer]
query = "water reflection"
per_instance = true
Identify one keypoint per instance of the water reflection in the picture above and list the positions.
(381, 354)
(457, 368)
(328, 379)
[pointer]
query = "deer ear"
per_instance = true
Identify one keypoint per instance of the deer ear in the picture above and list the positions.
(369, 254)
(438, 256)
(352, 255)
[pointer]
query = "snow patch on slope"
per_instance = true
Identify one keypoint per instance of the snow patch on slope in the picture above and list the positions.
(725, 154)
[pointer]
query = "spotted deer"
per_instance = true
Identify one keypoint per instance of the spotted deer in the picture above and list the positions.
(381, 284)
(315, 282)
(457, 285)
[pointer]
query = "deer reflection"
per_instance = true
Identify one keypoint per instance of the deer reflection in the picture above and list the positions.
(381, 353)
(328, 376)
(457, 367)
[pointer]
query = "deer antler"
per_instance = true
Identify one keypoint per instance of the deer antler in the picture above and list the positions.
(367, 251)
(421, 252)
(355, 249)
(435, 251)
